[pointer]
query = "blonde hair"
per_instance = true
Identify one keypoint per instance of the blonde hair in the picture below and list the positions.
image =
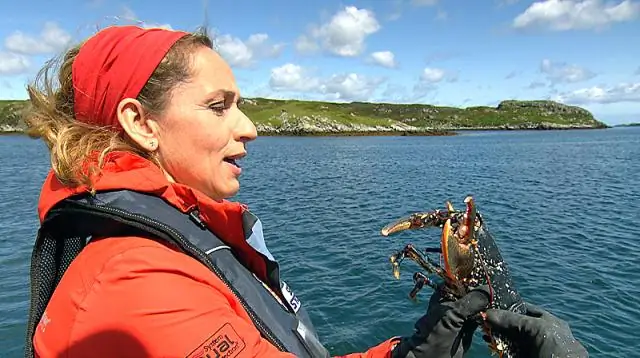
(50, 113)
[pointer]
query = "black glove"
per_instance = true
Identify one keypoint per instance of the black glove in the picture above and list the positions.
(538, 333)
(447, 328)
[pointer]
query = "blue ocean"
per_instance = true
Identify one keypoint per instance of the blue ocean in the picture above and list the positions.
(563, 206)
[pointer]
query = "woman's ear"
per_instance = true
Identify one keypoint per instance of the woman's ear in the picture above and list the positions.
(137, 124)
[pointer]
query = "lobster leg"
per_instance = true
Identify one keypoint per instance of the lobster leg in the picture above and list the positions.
(424, 261)
(410, 252)
(420, 280)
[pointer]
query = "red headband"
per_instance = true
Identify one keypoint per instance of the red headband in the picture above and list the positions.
(115, 64)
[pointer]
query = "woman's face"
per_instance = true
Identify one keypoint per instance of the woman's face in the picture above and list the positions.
(203, 133)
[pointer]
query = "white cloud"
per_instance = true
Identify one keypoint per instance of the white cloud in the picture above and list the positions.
(290, 77)
(52, 39)
(305, 45)
(558, 72)
(345, 34)
(563, 15)
(622, 92)
(432, 75)
(348, 87)
(357, 87)
(245, 53)
(20, 47)
(12, 63)
(429, 81)
(259, 44)
(383, 58)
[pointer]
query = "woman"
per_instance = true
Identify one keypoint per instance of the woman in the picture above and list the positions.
(139, 253)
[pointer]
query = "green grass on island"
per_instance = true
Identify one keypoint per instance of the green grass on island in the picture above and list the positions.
(299, 118)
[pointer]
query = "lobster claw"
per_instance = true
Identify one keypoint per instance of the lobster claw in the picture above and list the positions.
(414, 221)
(435, 218)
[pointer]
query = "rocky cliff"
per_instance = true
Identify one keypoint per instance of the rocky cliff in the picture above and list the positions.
(10, 116)
(292, 117)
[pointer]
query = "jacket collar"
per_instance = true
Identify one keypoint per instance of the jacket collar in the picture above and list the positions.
(128, 171)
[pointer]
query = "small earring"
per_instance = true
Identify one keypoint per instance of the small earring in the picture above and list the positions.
(152, 144)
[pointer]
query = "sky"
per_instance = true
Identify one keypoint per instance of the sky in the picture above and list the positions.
(442, 52)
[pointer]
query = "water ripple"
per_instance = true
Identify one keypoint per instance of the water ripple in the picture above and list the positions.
(563, 207)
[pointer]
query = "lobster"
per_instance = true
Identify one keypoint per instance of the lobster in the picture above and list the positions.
(471, 258)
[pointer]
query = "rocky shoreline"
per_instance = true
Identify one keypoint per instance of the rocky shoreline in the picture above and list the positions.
(379, 133)
(373, 131)
(6, 129)
(308, 118)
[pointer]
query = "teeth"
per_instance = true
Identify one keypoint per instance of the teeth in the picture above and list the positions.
(232, 161)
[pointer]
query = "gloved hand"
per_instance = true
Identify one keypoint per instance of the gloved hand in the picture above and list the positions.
(447, 328)
(539, 333)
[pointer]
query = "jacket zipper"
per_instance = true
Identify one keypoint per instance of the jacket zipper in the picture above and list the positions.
(266, 331)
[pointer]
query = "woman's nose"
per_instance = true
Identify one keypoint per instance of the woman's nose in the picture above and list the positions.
(246, 130)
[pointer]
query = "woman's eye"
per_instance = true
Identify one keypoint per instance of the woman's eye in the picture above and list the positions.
(218, 107)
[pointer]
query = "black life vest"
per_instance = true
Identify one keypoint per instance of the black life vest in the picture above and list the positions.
(70, 224)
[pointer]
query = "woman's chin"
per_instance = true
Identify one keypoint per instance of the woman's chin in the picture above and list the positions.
(230, 188)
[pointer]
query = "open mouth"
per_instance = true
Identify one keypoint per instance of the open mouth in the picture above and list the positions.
(231, 161)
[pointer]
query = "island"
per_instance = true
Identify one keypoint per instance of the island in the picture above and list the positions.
(274, 117)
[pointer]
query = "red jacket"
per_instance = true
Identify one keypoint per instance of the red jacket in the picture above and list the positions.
(134, 297)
